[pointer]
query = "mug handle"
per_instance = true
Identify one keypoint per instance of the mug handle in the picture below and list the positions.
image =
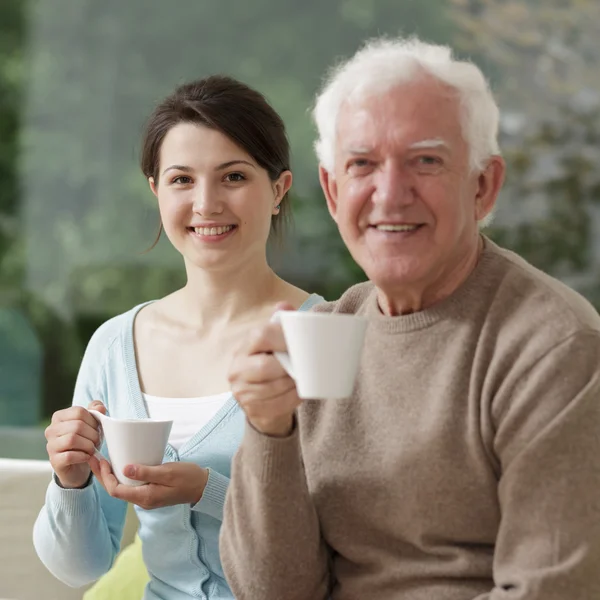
(283, 357)
(97, 452)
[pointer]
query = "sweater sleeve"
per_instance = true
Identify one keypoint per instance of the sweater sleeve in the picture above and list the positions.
(78, 532)
(213, 497)
(271, 544)
(548, 443)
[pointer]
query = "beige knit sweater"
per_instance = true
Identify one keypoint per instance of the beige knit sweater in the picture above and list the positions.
(465, 466)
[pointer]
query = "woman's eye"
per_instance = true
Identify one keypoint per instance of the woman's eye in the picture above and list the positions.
(182, 180)
(234, 177)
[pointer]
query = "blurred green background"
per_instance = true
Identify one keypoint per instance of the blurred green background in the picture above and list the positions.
(79, 77)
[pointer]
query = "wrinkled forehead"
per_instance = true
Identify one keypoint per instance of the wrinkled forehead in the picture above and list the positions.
(408, 116)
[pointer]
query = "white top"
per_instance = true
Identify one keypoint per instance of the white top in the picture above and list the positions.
(189, 415)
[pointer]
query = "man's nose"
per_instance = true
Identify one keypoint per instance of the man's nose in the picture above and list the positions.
(393, 185)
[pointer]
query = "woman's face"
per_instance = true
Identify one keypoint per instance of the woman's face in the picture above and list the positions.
(216, 203)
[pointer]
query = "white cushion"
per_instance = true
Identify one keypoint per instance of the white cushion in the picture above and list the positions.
(23, 486)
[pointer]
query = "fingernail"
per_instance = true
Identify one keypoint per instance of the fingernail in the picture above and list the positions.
(129, 471)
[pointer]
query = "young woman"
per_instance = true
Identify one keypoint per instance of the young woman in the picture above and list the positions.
(216, 157)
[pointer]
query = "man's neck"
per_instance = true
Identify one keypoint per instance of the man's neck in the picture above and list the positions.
(410, 299)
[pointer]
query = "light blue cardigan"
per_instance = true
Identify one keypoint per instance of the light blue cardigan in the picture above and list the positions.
(77, 534)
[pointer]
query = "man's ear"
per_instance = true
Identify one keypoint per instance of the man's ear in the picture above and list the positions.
(330, 189)
(489, 184)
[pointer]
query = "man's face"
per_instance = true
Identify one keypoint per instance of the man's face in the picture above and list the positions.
(402, 193)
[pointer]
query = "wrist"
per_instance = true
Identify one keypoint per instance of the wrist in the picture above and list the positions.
(281, 427)
(67, 485)
(198, 491)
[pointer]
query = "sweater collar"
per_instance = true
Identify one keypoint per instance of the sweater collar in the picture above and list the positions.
(456, 306)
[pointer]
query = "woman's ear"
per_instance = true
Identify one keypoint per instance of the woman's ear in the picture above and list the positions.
(153, 186)
(281, 187)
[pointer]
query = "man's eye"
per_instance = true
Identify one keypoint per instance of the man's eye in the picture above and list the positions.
(429, 160)
(359, 163)
(234, 177)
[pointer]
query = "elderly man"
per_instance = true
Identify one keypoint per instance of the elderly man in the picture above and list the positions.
(467, 463)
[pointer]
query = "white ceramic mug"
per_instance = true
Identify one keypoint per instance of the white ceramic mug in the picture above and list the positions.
(324, 351)
(133, 441)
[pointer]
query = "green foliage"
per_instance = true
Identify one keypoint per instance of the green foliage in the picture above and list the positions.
(12, 28)
(543, 57)
(555, 170)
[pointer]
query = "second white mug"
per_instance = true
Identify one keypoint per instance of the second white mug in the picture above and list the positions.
(133, 441)
(324, 351)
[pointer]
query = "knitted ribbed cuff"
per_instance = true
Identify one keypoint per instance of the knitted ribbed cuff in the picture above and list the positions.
(73, 502)
(213, 497)
(271, 458)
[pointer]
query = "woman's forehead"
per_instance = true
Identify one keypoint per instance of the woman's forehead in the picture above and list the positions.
(187, 142)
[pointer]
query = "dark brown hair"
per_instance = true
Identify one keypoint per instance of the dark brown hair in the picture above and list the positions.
(236, 110)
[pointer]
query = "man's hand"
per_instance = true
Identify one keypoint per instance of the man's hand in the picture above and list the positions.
(168, 484)
(263, 389)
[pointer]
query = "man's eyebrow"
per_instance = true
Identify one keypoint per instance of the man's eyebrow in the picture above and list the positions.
(430, 143)
(357, 150)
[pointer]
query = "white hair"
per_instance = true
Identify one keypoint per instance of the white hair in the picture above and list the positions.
(382, 64)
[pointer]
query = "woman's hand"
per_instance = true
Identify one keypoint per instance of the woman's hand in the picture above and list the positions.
(168, 484)
(72, 437)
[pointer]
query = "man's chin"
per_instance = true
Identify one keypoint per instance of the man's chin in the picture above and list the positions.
(395, 272)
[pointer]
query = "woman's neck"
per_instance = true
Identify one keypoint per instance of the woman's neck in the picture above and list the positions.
(227, 297)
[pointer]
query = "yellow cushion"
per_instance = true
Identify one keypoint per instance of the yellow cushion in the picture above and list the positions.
(126, 580)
